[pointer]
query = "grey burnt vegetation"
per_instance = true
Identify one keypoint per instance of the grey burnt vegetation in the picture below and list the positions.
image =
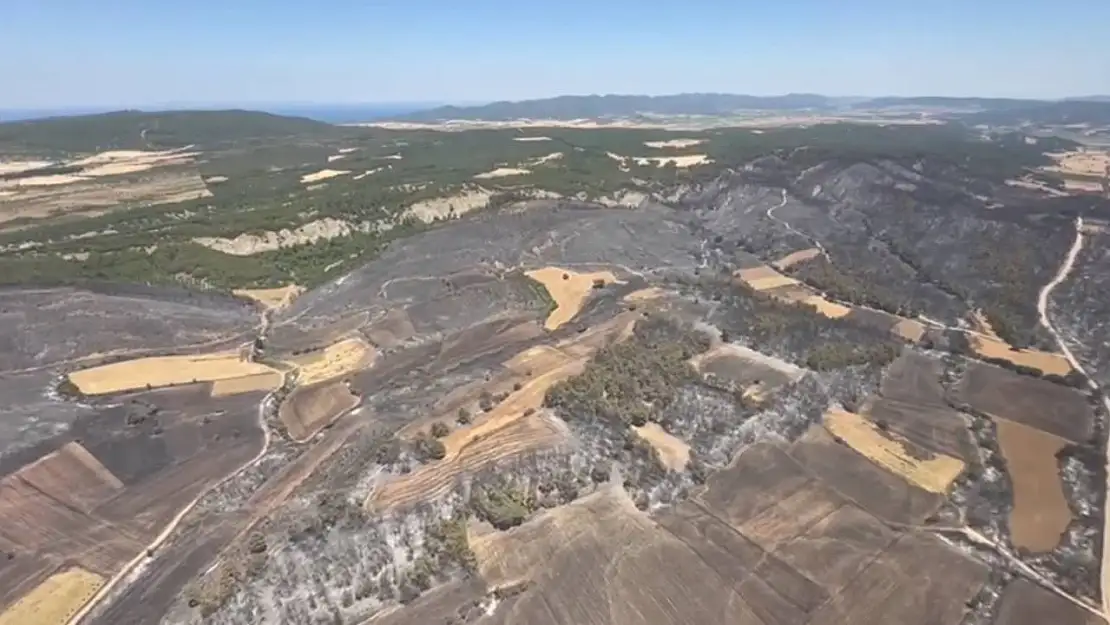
(804, 376)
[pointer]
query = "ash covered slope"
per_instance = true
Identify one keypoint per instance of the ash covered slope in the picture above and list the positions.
(758, 507)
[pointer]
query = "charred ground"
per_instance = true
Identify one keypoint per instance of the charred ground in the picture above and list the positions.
(716, 435)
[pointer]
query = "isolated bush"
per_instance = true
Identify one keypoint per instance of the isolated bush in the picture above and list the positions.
(440, 429)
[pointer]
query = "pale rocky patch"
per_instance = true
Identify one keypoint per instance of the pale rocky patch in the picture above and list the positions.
(323, 174)
(502, 172)
(249, 244)
(674, 143)
(453, 205)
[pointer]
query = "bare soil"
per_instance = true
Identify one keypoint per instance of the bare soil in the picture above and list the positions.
(1041, 513)
(1040, 404)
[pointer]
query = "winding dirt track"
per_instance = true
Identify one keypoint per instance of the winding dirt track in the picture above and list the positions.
(133, 569)
(1066, 268)
(1042, 309)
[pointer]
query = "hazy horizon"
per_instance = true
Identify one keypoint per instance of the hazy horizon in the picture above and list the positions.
(75, 53)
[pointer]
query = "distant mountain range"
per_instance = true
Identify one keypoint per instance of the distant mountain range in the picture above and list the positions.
(1093, 109)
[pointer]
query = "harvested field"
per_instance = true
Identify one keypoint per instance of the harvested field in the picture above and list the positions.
(569, 289)
(233, 386)
(57, 195)
(1082, 162)
(673, 451)
(933, 474)
(917, 581)
(54, 601)
(912, 404)
(794, 258)
(764, 278)
(910, 329)
(1046, 362)
(160, 371)
(834, 550)
(342, 358)
(308, 409)
(832, 310)
(599, 561)
(323, 174)
(505, 430)
(1026, 603)
(1041, 513)
(505, 437)
(274, 299)
(876, 490)
(1040, 404)
(73, 476)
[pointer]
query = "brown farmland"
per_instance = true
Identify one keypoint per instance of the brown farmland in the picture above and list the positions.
(1026, 603)
(310, 408)
(932, 472)
(1041, 513)
(1040, 404)
(912, 404)
(768, 543)
(569, 289)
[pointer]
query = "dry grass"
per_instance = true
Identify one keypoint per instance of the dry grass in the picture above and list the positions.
(55, 600)
(794, 258)
(1081, 162)
(831, 310)
(160, 371)
(569, 290)
(764, 278)
(910, 329)
(1041, 514)
(674, 143)
(48, 196)
(502, 172)
(336, 360)
(673, 451)
(323, 174)
(1045, 361)
(249, 384)
(898, 456)
(273, 299)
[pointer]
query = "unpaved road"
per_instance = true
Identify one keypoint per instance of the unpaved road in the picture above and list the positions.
(785, 224)
(1042, 310)
(133, 569)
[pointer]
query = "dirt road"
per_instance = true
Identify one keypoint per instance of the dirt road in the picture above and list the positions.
(785, 224)
(133, 569)
(1042, 309)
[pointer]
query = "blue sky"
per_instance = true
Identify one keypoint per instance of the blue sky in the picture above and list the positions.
(56, 53)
